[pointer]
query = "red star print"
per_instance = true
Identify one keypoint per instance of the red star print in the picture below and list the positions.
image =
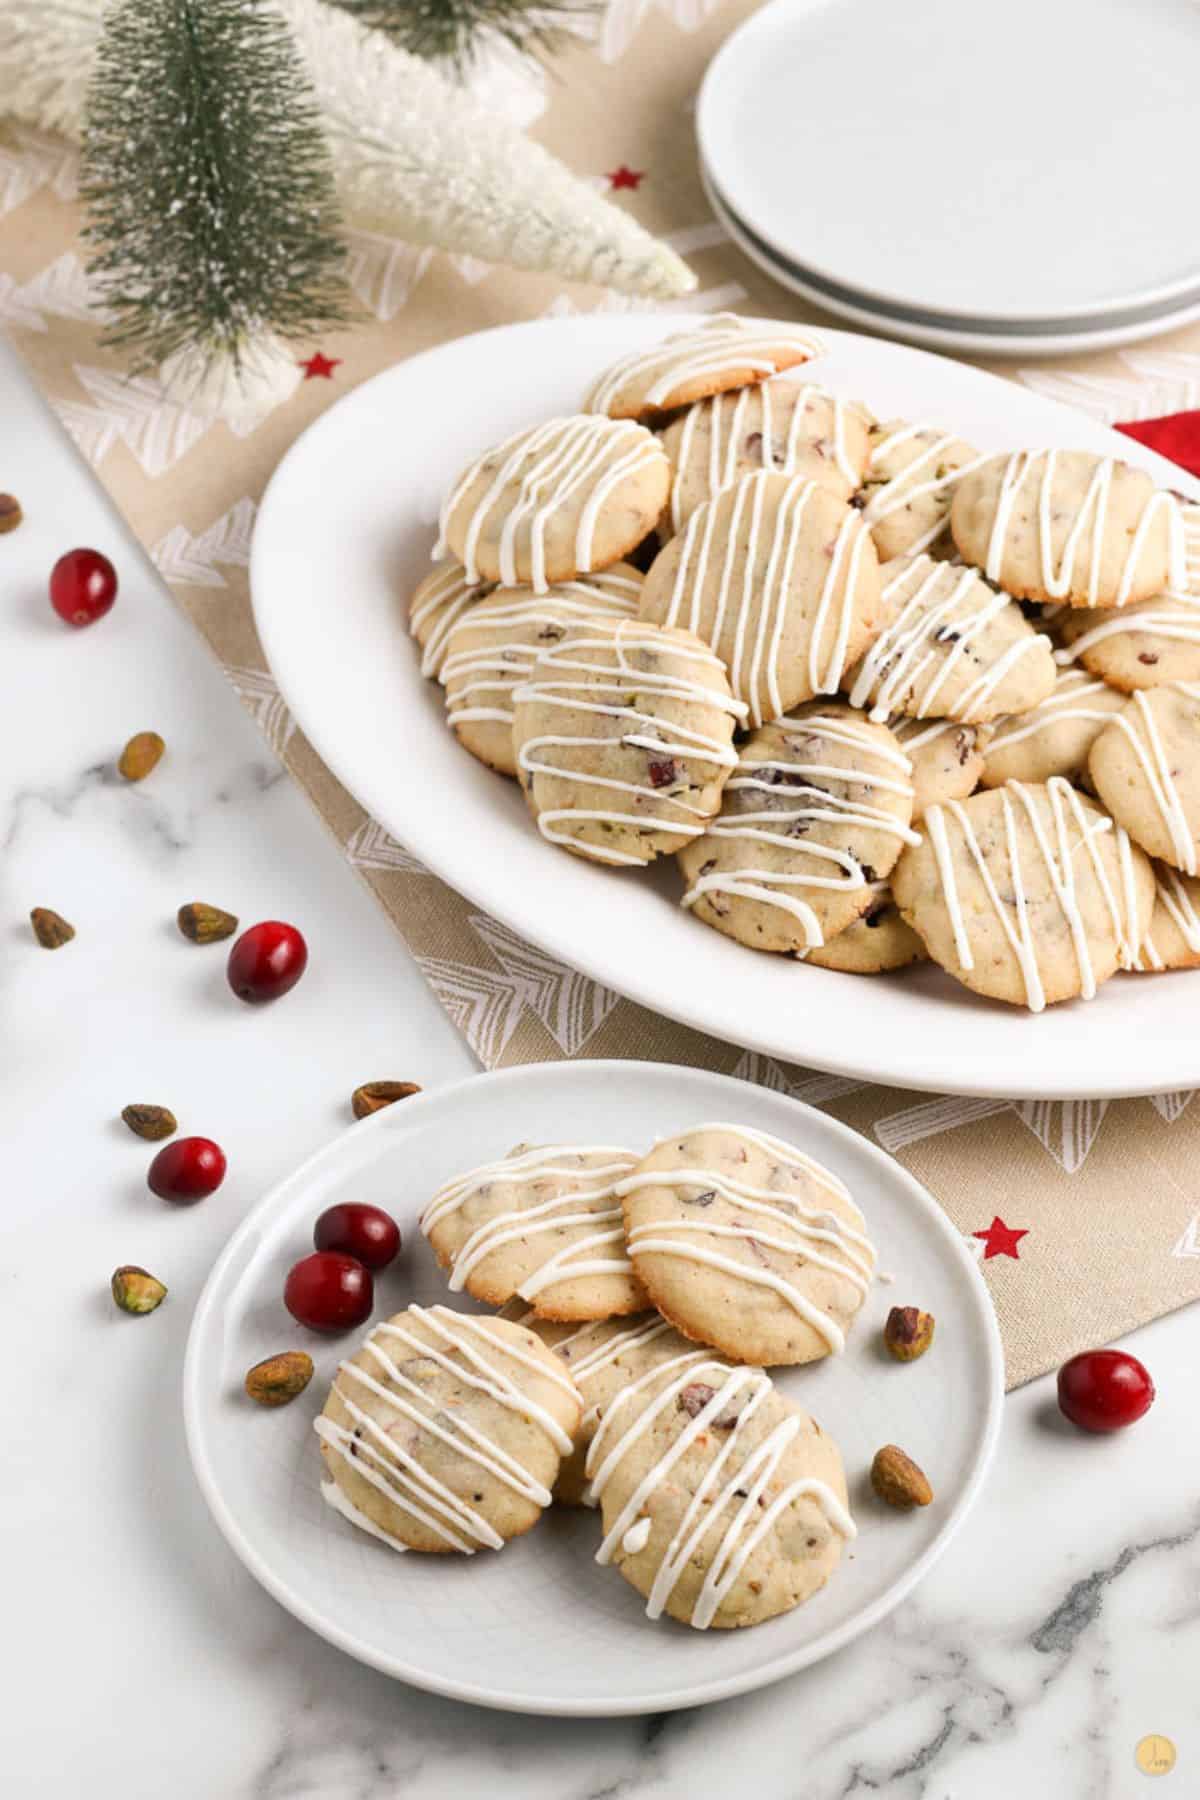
(625, 178)
(320, 365)
(1000, 1240)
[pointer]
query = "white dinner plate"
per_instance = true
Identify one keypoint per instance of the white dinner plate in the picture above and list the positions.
(540, 1627)
(1023, 161)
(344, 534)
(973, 337)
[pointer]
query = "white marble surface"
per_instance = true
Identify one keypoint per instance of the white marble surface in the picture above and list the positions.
(139, 1658)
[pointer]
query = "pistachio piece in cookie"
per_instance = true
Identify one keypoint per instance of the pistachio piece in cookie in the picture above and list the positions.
(1026, 894)
(817, 810)
(908, 485)
(747, 1244)
(555, 501)
(623, 740)
(722, 352)
(951, 647)
(781, 579)
(723, 1504)
(1069, 525)
(787, 427)
(543, 1224)
(445, 1432)
(1145, 766)
(492, 651)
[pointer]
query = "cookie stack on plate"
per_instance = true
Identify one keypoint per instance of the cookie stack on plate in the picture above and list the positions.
(641, 1297)
(884, 696)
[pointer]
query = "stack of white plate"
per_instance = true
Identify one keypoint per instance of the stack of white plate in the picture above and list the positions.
(1006, 177)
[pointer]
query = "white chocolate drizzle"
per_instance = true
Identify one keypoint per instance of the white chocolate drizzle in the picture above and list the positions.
(445, 596)
(1091, 512)
(768, 1217)
(757, 609)
(498, 668)
(937, 629)
(810, 804)
(1138, 725)
(572, 462)
(728, 1495)
(913, 481)
(729, 415)
(582, 1207)
(1057, 849)
(720, 346)
(1171, 616)
(573, 676)
(467, 1351)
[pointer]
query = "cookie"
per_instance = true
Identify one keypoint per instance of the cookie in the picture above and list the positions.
(1149, 644)
(723, 1504)
(817, 810)
(543, 1223)
(491, 652)
(1145, 766)
(1068, 525)
(1027, 894)
(445, 1432)
(781, 579)
(1173, 938)
(437, 604)
(784, 426)
(623, 740)
(746, 1244)
(603, 1359)
(909, 484)
(946, 758)
(877, 942)
(951, 648)
(556, 501)
(1055, 738)
(722, 352)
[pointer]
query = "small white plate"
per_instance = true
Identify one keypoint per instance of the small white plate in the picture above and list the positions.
(539, 1627)
(343, 536)
(974, 337)
(1023, 160)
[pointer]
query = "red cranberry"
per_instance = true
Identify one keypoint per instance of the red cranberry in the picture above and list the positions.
(267, 961)
(187, 1170)
(83, 586)
(1104, 1390)
(364, 1232)
(328, 1292)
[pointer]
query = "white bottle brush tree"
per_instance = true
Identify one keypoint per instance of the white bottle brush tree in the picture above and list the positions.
(224, 142)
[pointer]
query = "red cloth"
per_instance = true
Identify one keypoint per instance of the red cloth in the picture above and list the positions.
(1176, 436)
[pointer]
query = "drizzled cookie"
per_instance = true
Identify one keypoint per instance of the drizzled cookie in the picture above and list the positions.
(1145, 766)
(435, 608)
(1173, 938)
(908, 486)
(1148, 644)
(623, 740)
(556, 501)
(723, 1504)
(1055, 737)
(946, 758)
(781, 579)
(817, 810)
(724, 351)
(746, 1244)
(445, 1433)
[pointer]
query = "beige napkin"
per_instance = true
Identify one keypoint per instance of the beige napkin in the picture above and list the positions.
(1085, 1215)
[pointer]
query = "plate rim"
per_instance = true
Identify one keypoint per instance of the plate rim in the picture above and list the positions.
(761, 23)
(703, 1693)
(958, 1076)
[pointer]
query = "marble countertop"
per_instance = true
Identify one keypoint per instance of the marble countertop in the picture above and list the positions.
(1062, 1626)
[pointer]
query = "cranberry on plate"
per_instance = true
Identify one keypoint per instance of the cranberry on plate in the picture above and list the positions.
(83, 586)
(1104, 1390)
(364, 1232)
(329, 1292)
(267, 961)
(188, 1170)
